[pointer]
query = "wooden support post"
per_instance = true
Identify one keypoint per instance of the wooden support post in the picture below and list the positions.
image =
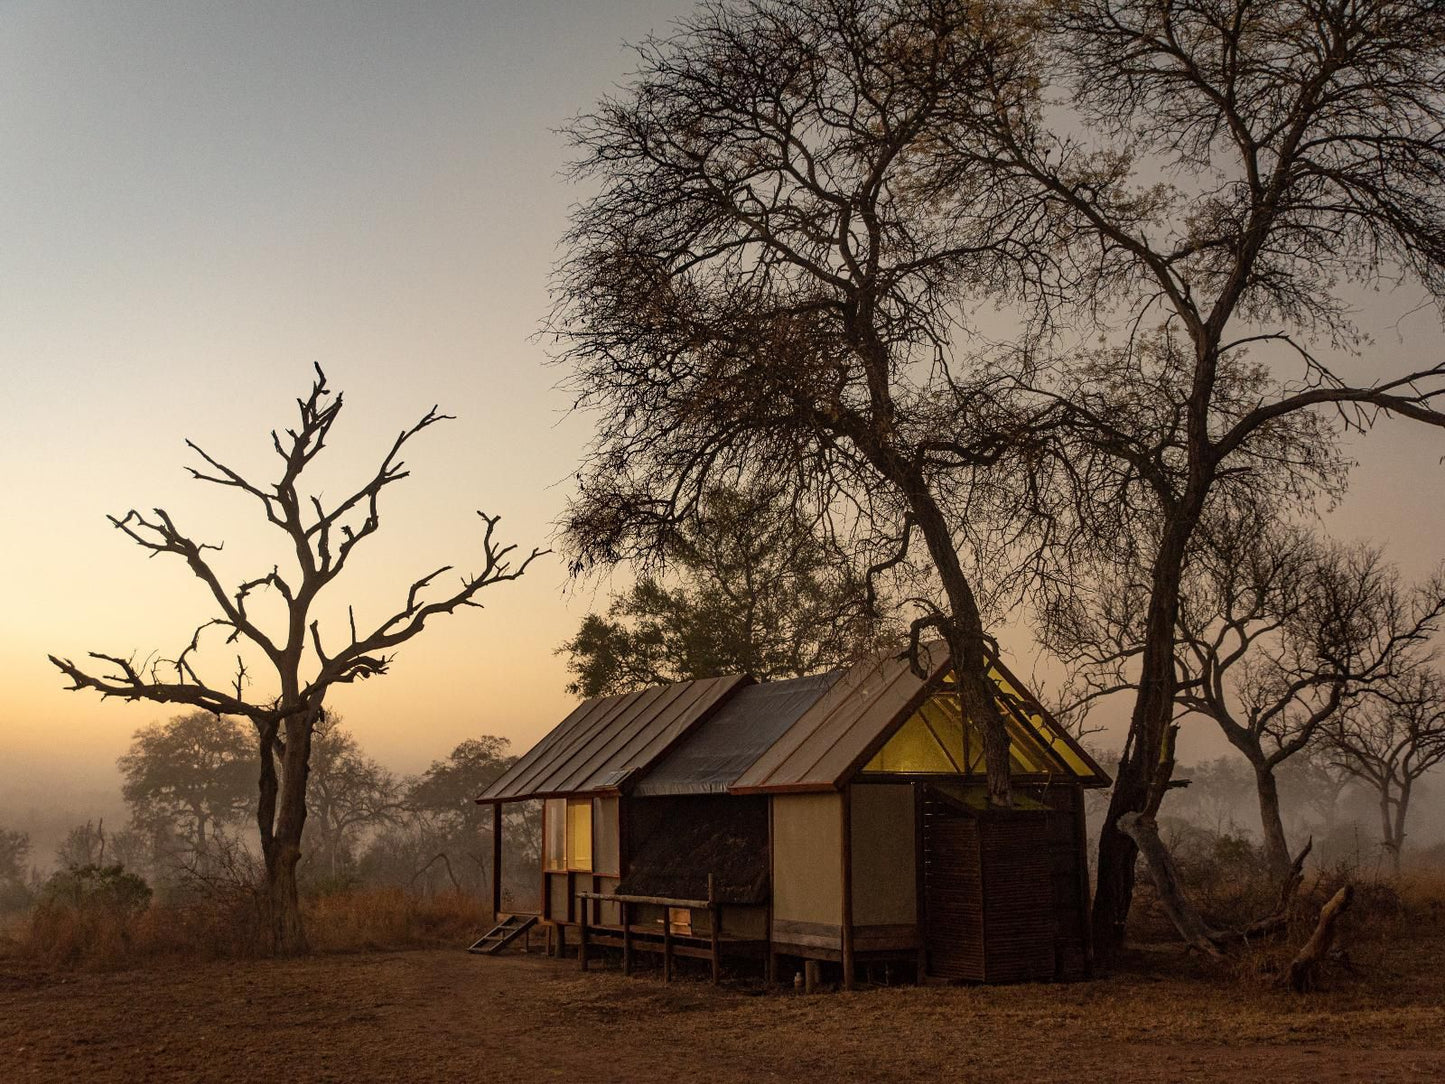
(626, 937)
(1081, 856)
(714, 921)
(811, 980)
(666, 945)
(772, 974)
(920, 883)
(496, 860)
(561, 942)
(847, 805)
(582, 935)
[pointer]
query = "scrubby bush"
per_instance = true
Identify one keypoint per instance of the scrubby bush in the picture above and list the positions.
(97, 888)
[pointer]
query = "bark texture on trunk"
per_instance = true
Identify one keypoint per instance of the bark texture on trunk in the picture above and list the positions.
(281, 841)
(963, 628)
(1118, 855)
(1271, 823)
(1144, 771)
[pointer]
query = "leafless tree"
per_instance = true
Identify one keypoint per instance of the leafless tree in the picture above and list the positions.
(1221, 167)
(322, 540)
(1287, 634)
(1389, 739)
(1278, 632)
(765, 287)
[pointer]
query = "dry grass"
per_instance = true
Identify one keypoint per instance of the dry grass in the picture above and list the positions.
(227, 925)
(388, 918)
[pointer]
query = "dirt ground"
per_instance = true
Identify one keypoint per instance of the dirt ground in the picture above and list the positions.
(445, 1015)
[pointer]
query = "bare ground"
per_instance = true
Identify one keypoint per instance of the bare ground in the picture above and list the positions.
(444, 1015)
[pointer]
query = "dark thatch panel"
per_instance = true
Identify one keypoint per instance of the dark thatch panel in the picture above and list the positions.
(721, 749)
(680, 840)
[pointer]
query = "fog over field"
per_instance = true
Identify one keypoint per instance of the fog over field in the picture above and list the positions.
(201, 202)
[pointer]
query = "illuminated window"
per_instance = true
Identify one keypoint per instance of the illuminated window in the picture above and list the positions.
(579, 833)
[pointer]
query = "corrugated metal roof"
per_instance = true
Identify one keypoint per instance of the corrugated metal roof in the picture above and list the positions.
(835, 736)
(608, 740)
(714, 754)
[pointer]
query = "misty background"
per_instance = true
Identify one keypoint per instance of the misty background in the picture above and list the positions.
(201, 200)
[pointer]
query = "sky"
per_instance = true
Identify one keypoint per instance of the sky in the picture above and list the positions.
(198, 201)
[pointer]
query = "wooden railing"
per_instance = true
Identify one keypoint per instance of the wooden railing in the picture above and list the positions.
(626, 901)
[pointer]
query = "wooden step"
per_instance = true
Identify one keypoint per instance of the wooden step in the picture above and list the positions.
(502, 934)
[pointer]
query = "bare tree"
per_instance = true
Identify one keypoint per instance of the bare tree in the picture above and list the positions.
(1389, 739)
(322, 539)
(765, 287)
(1285, 635)
(1278, 632)
(1222, 167)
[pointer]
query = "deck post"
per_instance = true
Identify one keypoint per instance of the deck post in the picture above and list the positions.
(772, 973)
(714, 919)
(847, 805)
(582, 937)
(626, 937)
(496, 860)
(666, 945)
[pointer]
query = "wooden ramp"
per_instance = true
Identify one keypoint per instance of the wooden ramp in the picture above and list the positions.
(503, 934)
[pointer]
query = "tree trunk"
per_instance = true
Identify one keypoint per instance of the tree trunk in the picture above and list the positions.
(965, 635)
(1387, 828)
(1402, 806)
(283, 929)
(1276, 847)
(1118, 854)
(1140, 782)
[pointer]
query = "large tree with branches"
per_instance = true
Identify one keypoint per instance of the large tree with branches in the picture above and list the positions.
(321, 539)
(797, 198)
(1221, 169)
(764, 288)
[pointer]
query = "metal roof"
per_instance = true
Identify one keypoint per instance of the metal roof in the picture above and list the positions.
(714, 754)
(608, 740)
(837, 736)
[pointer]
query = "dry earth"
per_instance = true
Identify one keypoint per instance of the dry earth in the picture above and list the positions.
(444, 1015)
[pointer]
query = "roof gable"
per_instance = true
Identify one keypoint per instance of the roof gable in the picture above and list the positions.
(845, 731)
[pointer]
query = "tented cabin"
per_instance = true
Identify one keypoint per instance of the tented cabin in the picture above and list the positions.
(839, 817)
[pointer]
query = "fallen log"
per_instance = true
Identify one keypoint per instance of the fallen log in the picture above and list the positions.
(1303, 973)
(1196, 930)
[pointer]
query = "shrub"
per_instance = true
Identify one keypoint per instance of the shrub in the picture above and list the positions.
(97, 888)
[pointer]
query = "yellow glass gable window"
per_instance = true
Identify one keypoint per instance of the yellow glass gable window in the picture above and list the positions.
(579, 833)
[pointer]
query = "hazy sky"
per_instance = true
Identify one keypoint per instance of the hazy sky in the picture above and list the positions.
(197, 201)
